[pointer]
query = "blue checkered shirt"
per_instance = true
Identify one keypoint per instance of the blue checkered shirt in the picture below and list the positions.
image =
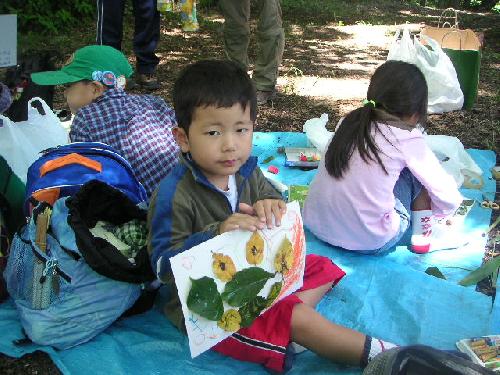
(139, 127)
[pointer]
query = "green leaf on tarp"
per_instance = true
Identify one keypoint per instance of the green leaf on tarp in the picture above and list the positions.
(245, 285)
(487, 269)
(434, 271)
(268, 159)
(494, 279)
(204, 299)
(274, 292)
(251, 310)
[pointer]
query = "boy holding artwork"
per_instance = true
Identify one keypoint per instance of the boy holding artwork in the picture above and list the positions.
(217, 187)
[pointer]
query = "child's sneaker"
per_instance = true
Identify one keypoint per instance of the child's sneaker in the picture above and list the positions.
(431, 233)
(421, 231)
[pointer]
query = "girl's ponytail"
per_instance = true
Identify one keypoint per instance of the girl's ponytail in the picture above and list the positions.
(353, 133)
(398, 90)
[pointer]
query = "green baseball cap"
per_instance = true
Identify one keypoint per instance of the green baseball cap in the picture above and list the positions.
(87, 63)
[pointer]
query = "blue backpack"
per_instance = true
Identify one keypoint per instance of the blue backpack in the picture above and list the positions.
(75, 286)
(61, 171)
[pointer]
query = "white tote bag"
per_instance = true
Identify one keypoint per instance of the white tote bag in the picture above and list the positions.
(445, 94)
(21, 142)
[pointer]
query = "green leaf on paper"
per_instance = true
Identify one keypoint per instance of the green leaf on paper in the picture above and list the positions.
(274, 292)
(251, 310)
(268, 159)
(245, 285)
(204, 299)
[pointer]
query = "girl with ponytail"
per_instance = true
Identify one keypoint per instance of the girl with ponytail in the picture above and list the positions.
(378, 178)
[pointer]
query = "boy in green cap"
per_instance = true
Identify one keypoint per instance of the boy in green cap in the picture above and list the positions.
(137, 126)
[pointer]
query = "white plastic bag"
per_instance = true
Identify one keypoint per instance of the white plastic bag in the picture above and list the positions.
(444, 89)
(21, 142)
(455, 160)
(445, 93)
(316, 132)
(402, 49)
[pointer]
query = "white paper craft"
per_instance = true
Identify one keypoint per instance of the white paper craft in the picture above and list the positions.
(197, 262)
(8, 40)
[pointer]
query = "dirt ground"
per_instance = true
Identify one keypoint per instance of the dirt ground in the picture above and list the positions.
(328, 60)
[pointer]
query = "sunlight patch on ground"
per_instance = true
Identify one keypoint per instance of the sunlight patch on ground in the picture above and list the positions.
(366, 36)
(360, 67)
(214, 19)
(367, 44)
(331, 88)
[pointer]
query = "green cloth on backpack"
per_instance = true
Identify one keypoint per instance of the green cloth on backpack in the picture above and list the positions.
(127, 238)
(134, 233)
(467, 64)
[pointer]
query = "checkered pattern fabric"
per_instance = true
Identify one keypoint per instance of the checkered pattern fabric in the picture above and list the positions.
(139, 127)
(134, 233)
(5, 98)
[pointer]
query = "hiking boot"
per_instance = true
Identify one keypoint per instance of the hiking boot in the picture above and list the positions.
(147, 81)
(265, 96)
(131, 84)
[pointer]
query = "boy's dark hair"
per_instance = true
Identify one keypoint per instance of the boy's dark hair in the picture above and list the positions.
(212, 82)
(396, 88)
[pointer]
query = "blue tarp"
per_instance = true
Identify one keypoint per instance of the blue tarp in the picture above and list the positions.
(386, 296)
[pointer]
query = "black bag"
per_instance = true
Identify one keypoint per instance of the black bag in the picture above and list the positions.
(4, 245)
(420, 360)
(96, 201)
(18, 79)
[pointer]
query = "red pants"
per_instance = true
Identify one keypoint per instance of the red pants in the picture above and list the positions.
(266, 340)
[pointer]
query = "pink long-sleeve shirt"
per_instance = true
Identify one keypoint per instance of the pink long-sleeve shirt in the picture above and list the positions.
(357, 211)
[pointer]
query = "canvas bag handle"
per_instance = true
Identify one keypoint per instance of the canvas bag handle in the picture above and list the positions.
(456, 31)
(442, 16)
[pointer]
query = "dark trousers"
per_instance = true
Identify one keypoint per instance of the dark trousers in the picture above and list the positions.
(146, 29)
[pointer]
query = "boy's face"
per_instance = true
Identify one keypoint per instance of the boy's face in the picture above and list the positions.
(80, 94)
(219, 140)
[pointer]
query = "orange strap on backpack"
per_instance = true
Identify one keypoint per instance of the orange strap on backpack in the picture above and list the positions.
(69, 159)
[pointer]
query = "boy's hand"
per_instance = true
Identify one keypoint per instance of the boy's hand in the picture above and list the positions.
(267, 208)
(241, 221)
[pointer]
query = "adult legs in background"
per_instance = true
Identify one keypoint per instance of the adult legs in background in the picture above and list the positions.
(110, 23)
(270, 40)
(146, 35)
(271, 44)
(236, 30)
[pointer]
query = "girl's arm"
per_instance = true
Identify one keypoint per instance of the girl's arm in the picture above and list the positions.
(423, 164)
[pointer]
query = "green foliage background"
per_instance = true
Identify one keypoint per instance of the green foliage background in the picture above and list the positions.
(48, 15)
(53, 16)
